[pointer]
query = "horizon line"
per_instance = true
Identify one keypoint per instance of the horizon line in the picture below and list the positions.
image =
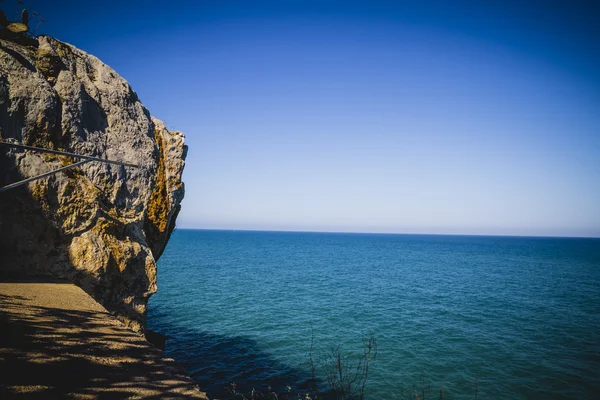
(389, 233)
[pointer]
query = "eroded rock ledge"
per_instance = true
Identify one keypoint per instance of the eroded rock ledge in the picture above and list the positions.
(100, 226)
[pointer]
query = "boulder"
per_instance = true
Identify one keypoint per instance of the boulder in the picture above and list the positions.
(99, 225)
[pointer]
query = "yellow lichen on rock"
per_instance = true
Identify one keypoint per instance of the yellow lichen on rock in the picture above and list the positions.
(158, 205)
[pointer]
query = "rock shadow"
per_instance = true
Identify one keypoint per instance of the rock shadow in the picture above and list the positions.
(215, 361)
(48, 352)
(22, 60)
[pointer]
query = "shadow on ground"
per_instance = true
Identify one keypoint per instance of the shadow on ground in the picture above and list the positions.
(74, 351)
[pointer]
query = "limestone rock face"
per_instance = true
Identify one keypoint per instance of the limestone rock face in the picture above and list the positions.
(99, 225)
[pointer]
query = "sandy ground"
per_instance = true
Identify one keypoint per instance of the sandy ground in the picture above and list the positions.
(57, 342)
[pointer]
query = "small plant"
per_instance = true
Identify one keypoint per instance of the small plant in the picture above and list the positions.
(40, 22)
(25, 17)
(334, 374)
(14, 30)
(346, 377)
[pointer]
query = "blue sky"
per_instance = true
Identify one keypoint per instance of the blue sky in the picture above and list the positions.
(479, 117)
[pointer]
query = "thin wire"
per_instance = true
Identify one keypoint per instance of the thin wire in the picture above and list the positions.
(25, 181)
(64, 153)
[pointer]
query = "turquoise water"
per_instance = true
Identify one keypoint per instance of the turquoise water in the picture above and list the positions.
(521, 316)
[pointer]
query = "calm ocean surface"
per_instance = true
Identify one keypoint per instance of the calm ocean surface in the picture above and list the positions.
(520, 315)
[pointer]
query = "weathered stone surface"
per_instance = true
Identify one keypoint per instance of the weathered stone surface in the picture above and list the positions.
(101, 226)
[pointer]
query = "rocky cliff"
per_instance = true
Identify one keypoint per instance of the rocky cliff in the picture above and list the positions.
(99, 225)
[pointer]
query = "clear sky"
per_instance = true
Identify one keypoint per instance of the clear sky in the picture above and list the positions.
(474, 117)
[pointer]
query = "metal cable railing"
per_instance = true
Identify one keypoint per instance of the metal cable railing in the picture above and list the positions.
(85, 159)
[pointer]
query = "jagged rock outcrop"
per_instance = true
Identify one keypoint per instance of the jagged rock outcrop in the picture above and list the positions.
(101, 226)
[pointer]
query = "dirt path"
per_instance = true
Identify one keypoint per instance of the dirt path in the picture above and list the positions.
(57, 342)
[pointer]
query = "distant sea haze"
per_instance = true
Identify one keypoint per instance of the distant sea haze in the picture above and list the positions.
(506, 317)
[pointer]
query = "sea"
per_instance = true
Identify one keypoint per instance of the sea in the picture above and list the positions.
(484, 317)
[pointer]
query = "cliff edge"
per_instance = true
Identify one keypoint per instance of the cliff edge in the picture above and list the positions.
(100, 226)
